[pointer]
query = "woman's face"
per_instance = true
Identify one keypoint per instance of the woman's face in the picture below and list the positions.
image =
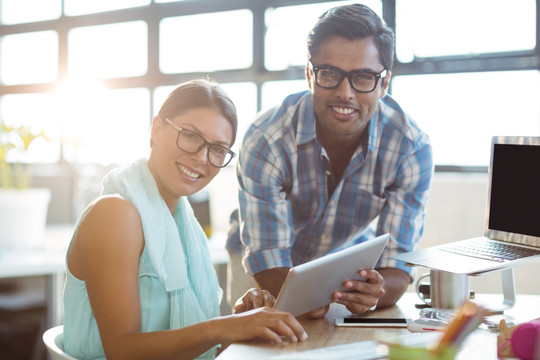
(177, 172)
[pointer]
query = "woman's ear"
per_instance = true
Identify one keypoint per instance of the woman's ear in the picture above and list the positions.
(155, 131)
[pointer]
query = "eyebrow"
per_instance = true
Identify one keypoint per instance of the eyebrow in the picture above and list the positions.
(370, 70)
(193, 128)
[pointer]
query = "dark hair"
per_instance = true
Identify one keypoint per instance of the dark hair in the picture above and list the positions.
(200, 93)
(353, 22)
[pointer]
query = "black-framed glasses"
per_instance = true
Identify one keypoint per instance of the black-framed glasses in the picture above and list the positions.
(362, 81)
(191, 142)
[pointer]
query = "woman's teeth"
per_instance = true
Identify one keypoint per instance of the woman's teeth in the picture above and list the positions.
(342, 110)
(188, 173)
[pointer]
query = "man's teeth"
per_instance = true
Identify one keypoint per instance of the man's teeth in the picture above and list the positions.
(343, 110)
(188, 173)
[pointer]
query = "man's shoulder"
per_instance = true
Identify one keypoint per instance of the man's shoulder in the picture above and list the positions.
(394, 118)
(282, 119)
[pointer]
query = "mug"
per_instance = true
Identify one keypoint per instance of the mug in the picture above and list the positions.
(446, 290)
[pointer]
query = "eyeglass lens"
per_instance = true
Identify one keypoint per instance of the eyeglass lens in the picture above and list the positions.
(191, 142)
(359, 80)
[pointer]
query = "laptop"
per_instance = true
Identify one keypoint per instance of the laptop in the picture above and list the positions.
(512, 230)
(310, 285)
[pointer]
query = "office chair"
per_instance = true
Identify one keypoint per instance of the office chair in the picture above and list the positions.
(54, 342)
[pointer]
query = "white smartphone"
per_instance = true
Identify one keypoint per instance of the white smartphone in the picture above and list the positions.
(373, 322)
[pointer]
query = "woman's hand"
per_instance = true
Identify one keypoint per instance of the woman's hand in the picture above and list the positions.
(252, 299)
(261, 323)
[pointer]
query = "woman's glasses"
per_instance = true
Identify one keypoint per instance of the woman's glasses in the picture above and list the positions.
(191, 142)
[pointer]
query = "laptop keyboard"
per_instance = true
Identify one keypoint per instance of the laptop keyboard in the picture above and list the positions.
(490, 250)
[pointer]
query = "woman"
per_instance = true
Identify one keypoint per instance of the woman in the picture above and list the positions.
(140, 282)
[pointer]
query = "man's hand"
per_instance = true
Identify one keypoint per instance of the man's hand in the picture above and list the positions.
(362, 295)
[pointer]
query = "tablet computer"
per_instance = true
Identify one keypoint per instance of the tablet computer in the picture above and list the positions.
(310, 285)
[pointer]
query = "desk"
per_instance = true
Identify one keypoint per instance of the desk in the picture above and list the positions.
(47, 260)
(481, 344)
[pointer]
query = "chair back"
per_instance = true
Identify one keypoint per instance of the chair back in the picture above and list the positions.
(54, 342)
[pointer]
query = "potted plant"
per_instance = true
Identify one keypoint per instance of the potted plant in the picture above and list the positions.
(23, 209)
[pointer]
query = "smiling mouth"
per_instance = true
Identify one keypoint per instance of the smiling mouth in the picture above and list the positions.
(188, 173)
(343, 110)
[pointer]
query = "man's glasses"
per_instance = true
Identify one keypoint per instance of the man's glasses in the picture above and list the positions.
(329, 77)
(191, 142)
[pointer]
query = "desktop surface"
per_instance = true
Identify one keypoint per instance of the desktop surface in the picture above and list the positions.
(481, 344)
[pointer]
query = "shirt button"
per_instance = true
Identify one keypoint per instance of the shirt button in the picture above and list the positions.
(323, 237)
(328, 173)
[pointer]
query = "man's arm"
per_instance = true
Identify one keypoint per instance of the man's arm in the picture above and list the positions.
(395, 284)
(272, 279)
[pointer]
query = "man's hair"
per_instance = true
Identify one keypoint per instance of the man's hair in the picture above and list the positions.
(353, 22)
(201, 93)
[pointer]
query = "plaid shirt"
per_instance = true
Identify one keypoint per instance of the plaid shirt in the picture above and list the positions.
(292, 212)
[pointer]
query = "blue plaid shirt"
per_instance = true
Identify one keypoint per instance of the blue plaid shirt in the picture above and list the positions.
(292, 212)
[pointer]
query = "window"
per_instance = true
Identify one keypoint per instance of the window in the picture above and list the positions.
(208, 42)
(463, 68)
(108, 51)
(29, 58)
(461, 112)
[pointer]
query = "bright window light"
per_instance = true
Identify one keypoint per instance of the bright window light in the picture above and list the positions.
(461, 112)
(17, 11)
(109, 51)
(29, 58)
(206, 42)
(81, 7)
(427, 28)
(274, 92)
(104, 126)
(287, 30)
(38, 112)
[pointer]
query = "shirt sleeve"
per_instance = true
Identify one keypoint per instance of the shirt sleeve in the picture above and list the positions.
(404, 212)
(264, 212)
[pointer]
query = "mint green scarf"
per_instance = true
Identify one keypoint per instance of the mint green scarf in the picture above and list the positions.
(176, 244)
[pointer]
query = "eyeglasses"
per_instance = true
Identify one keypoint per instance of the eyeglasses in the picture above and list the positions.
(329, 77)
(191, 142)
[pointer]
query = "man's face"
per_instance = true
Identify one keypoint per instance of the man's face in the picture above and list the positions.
(343, 113)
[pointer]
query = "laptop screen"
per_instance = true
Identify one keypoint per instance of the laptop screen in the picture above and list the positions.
(514, 197)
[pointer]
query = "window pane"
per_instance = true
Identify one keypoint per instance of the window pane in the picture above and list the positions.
(106, 126)
(108, 51)
(80, 7)
(461, 112)
(29, 58)
(428, 28)
(243, 95)
(39, 112)
(207, 42)
(274, 92)
(16, 11)
(287, 29)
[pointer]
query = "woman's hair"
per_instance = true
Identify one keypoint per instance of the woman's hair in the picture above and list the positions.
(353, 22)
(200, 93)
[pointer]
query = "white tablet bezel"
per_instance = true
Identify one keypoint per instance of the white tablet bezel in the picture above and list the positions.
(310, 285)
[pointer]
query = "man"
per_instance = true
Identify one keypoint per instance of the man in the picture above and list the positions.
(333, 161)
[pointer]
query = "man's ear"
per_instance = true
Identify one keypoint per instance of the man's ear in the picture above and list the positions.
(309, 77)
(385, 83)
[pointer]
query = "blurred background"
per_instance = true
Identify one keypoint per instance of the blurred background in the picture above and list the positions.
(92, 74)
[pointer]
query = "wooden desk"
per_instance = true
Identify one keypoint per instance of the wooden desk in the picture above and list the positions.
(481, 344)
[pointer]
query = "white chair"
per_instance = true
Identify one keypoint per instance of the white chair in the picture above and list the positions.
(54, 342)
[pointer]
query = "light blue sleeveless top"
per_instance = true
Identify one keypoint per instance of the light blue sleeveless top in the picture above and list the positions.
(81, 335)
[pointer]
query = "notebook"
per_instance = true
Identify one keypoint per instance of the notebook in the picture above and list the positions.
(512, 228)
(310, 285)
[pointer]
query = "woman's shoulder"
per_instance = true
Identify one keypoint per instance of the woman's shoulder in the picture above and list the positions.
(111, 217)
